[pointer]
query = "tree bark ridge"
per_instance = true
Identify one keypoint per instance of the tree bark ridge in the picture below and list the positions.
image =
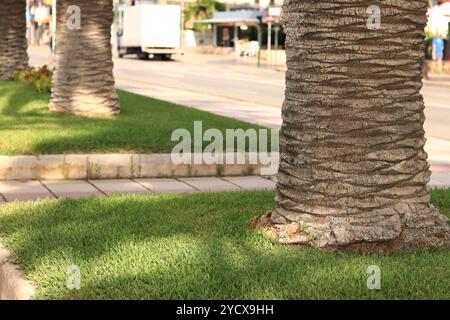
(13, 42)
(83, 81)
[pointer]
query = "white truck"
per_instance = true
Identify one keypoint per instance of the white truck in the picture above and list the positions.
(149, 30)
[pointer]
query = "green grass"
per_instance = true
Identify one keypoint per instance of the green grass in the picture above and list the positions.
(145, 125)
(197, 247)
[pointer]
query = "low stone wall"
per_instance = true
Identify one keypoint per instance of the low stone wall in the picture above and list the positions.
(111, 166)
(219, 51)
(277, 57)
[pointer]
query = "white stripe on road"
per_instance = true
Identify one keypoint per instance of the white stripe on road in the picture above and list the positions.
(437, 105)
(170, 75)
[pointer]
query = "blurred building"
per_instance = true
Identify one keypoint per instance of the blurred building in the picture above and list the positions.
(39, 19)
(439, 19)
(236, 29)
(254, 3)
(231, 4)
(137, 2)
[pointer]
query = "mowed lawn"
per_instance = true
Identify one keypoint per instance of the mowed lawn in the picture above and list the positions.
(198, 247)
(145, 125)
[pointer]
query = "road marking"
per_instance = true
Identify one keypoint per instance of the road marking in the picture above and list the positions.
(170, 75)
(253, 93)
(213, 97)
(436, 105)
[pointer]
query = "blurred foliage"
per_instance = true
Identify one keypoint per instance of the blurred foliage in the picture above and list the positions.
(200, 10)
(39, 78)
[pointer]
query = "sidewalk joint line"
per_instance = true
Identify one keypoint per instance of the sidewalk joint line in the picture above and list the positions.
(48, 189)
(143, 186)
(188, 184)
(101, 191)
(234, 184)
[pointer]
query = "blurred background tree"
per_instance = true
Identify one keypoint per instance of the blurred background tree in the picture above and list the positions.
(200, 10)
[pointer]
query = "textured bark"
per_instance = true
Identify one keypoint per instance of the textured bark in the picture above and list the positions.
(353, 169)
(13, 43)
(83, 81)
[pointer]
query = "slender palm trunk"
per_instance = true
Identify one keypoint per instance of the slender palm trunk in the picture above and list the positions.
(13, 43)
(353, 169)
(83, 81)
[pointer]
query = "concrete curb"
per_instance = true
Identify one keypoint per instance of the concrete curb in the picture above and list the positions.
(12, 284)
(114, 166)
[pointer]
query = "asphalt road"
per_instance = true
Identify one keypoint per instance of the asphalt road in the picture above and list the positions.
(226, 77)
(214, 75)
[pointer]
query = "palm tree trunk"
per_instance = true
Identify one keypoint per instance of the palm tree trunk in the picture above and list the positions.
(13, 43)
(353, 169)
(83, 81)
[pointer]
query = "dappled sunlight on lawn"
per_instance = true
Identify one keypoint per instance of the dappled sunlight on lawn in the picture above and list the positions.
(196, 247)
(144, 126)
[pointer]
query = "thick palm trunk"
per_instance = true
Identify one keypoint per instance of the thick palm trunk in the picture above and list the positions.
(353, 169)
(83, 81)
(13, 43)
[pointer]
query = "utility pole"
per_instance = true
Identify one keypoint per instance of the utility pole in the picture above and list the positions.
(448, 42)
(53, 26)
(182, 26)
(260, 24)
(277, 30)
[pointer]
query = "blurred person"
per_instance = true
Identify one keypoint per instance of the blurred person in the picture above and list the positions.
(41, 17)
(29, 18)
(33, 40)
(50, 29)
(438, 46)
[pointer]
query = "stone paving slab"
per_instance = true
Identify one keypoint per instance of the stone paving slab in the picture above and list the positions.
(23, 191)
(166, 185)
(210, 184)
(33, 190)
(252, 183)
(437, 167)
(440, 177)
(112, 186)
(73, 189)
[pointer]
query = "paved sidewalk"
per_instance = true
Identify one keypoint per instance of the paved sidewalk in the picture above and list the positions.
(11, 191)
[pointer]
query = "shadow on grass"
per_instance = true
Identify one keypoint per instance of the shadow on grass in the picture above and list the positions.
(145, 125)
(194, 247)
(15, 98)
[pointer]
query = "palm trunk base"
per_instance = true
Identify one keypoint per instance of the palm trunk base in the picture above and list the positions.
(87, 109)
(383, 235)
